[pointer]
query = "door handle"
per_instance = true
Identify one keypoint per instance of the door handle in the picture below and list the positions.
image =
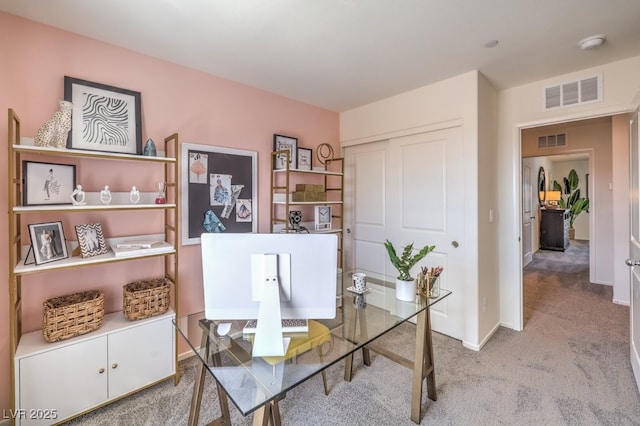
(632, 262)
(454, 244)
(532, 217)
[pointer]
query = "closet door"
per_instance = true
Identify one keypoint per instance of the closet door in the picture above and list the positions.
(409, 189)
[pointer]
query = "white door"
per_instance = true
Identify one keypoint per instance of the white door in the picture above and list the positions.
(527, 215)
(634, 249)
(410, 189)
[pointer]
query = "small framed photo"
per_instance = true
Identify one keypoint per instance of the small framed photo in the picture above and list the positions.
(48, 242)
(304, 158)
(104, 118)
(47, 183)
(91, 239)
(322, 217)
(285, 143)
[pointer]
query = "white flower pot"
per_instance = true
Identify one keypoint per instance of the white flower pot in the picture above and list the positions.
(406, 290)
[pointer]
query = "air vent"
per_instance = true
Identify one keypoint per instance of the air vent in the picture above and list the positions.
(552, 141)
(570, 93)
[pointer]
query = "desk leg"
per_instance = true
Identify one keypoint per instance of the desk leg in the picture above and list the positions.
(198, 388)
(366, 356)
(422, 365)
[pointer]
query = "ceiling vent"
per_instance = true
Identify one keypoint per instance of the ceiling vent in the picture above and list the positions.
(552, 141)
(570, 93)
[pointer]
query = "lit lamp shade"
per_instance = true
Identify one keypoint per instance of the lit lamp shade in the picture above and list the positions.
(554, 196)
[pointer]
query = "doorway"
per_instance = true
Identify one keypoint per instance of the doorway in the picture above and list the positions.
(581, 140)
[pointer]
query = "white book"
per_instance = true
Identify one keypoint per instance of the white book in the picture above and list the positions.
(139, 244)
(161, 247)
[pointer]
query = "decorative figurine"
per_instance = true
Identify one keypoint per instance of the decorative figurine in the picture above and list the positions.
(160, 198)
(77, 196)
(105, 195)
(134, 196)
(54, 131)
(149, 148)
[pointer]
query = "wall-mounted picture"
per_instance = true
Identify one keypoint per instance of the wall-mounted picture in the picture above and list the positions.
(47, 183)
(48, 242)
(104, 118)
(322, 217)
(91, 239)
(304, 158)
(285, 143)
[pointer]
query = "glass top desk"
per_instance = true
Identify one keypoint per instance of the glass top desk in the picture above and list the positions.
(255, 385)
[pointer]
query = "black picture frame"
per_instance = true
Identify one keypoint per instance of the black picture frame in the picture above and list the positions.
(305, 156)
(91, 239)
(47, 242)
(47, 183)
(281, 143)
(104, 118)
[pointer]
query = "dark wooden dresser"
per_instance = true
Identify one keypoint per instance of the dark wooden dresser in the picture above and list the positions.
(554, 229)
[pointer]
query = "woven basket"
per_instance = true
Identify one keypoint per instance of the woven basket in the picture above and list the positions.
(144, 299)
(72, 315)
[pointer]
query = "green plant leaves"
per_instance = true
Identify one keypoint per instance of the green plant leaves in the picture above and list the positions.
(408, 260)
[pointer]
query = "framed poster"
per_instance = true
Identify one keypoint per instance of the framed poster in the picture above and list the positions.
(285, 143)
(219, 189)
(104, 118)
(304, 158)
(48, 242)
(47, 183)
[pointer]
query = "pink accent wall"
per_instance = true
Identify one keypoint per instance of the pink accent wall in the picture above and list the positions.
(201, 108)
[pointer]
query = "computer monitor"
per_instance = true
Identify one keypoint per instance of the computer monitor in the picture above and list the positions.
(237, 271)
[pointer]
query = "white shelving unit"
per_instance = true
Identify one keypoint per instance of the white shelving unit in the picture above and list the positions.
(114, 354)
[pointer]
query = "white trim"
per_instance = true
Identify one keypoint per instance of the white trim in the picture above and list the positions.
(516, 189)
(404, 132)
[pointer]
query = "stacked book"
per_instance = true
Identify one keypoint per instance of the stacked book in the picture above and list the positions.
(140, 248)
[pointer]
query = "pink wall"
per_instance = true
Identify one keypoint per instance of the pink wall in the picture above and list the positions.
(201, 108)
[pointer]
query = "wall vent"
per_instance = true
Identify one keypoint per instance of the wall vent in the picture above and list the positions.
(570, 93)
(552, 141)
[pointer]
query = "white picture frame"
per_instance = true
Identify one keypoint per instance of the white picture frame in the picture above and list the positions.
(322, 218)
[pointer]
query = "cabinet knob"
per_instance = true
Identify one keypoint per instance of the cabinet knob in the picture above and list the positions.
(101, 371)
(114, 365)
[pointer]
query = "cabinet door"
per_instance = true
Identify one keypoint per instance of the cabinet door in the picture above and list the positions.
(140, 355)
(67, 379)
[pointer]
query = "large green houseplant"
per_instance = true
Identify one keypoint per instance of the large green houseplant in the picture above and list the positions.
(573, 202)
(405, 284)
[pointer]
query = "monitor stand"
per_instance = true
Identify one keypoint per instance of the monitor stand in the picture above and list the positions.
(268, 339)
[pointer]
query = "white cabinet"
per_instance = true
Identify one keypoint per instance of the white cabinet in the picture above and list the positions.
(55, 381)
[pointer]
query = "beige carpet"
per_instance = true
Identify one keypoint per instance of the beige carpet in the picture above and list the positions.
(570, 366)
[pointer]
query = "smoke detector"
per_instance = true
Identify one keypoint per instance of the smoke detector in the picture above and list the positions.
(592, 42)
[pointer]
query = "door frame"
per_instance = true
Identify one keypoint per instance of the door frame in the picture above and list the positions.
(517, 188)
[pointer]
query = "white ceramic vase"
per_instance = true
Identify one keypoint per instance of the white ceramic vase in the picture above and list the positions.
(406, 290)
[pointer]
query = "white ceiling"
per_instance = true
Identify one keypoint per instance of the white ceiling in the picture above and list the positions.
(340, 54)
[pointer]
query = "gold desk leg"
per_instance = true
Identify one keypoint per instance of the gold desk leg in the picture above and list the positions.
(268, 414)
(198, 388)
(422, 365)
(366, 356)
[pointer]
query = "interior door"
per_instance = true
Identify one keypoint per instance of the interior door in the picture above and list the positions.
(634, 248)
(410, 189)
(527, 216)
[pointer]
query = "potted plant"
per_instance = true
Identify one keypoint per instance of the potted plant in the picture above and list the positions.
(574, 202)
(405, 284)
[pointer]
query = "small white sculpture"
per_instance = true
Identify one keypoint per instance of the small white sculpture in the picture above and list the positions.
(77, 196)
(105, 195)
(54, 131)
(134, 196)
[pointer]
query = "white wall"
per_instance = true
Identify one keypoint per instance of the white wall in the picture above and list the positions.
(520, 107)
(429, 108)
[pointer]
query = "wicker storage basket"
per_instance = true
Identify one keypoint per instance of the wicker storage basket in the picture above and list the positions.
(72, 315)
(144, 299)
